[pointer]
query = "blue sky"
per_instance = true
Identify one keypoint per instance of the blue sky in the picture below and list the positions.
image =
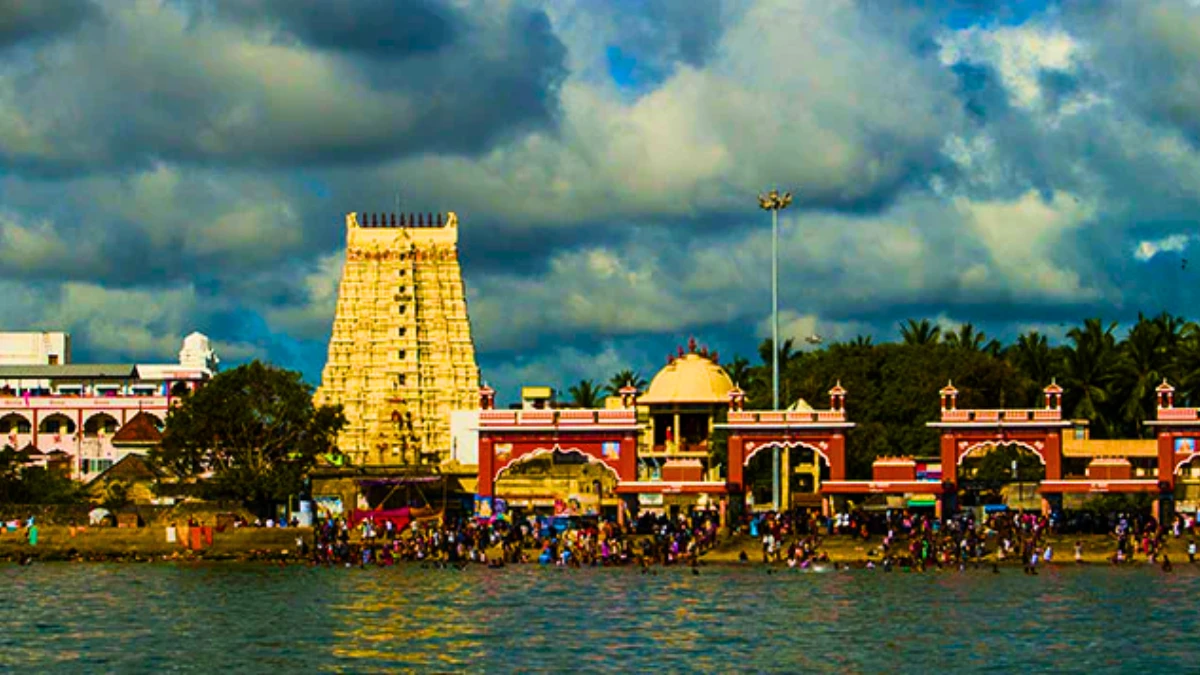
(170, 166)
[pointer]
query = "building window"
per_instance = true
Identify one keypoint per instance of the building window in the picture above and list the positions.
(402, 380)
(403, 354)
(54, 359)
(403, 308)
(403, 331)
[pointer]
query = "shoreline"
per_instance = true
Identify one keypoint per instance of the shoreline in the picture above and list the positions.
(149, 544)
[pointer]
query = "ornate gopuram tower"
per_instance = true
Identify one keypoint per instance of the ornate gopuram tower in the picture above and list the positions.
(400, 356)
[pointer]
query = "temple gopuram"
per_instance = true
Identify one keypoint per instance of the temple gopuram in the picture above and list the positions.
(401, 358)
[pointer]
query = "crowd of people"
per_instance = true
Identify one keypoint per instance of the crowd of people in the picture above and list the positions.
(563, 542)
(798, 539)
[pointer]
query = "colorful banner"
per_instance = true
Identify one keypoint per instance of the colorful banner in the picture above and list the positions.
(329, 507)
(1185, 446)
(610, 450)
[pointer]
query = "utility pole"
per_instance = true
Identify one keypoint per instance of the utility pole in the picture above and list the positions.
(774, 202)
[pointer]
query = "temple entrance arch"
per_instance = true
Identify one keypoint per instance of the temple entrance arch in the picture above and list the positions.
(969, 432)
(982, 448)
(805, 438)
(557, 480)
(557, 455)
(805, 465)
(1001, 473)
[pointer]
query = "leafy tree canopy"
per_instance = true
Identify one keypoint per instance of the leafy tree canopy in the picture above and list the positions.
(21, 483)
(255, 427)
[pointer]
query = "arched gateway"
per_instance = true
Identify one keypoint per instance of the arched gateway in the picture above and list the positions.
(964, 432)
(754, 431)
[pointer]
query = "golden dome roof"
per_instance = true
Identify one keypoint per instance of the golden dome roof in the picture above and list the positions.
(689, 379)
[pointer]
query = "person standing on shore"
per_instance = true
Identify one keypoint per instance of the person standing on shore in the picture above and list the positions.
(1191, 551)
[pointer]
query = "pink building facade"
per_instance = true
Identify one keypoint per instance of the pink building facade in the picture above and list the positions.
(67, 414)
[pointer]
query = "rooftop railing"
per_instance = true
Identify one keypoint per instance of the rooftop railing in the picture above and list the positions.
(1006, 415)
(557, 418)
(783, 417)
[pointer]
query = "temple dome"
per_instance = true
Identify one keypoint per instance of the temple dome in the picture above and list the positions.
(689, 379)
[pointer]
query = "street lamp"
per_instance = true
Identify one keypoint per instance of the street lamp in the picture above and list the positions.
(775, 202)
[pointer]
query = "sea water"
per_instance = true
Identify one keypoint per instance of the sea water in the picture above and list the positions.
(64, 617)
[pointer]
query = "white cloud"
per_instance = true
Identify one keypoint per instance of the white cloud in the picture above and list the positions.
(1175, 243)
(1020, 55)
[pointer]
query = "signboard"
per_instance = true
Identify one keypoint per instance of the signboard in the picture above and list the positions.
(503, 452)
(1185, 446)
(610, 450)
(653, 499)
(929, 471)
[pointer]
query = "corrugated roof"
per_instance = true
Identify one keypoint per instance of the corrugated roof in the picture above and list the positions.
(70, 371)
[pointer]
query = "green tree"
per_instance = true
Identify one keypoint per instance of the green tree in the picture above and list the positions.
(1090, 371)
(739, 371)
(995, 466)
(1033, 357)
(921, 332)
(970, 339)
(625, 378)
(585, 394)
(787, 357)
(1147, 358)
(116, 496)
(256, 428)
(21, 483)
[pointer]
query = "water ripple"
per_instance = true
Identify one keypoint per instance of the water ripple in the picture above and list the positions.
(257, 618)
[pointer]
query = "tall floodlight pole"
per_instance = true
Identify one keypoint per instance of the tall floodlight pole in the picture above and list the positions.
(774, 202)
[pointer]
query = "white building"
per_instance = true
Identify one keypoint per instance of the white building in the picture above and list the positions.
(35, 349)
(68, 413)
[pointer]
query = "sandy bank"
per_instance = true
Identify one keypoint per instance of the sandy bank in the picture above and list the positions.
(59, 543)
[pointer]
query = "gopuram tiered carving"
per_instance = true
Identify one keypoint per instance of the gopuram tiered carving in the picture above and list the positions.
(400, 356)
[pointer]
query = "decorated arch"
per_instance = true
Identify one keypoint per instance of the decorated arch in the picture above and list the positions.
(981, 448)
(590, 459)
(819, 447)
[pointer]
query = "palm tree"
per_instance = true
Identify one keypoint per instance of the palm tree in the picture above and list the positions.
(1090, 371)
(585, 394)
(861, 341)
(739, 371)
(1033, 356)
(1187, 365)
(966, 338)
(919, 332)
(1146, 360)
(787, 354)
(624, 378)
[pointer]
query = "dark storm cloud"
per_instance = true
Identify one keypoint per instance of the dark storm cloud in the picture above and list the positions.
(210, 92)
(1150, 50)
(23, 21)
(382, 29)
